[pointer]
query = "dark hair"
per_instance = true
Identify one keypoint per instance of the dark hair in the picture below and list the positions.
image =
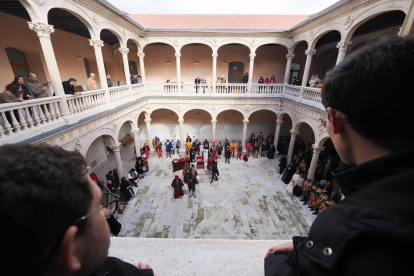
(44, 190)
(13, 88)
(370, 88)
(16, 79)
(72, 79)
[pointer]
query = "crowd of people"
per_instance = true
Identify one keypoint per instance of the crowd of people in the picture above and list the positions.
(318, 192)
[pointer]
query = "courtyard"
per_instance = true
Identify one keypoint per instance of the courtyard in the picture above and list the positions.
(248, 202)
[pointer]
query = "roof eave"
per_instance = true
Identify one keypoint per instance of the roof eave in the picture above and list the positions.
(319, 14)
(218, 30)
(125, 15)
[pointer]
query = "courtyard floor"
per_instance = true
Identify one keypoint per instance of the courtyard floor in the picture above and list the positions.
(248, 202)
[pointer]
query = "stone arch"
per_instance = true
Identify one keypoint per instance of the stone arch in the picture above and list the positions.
(303, 119)
(225, 108)
(299, 39)
(228, 41)
(190, 41)
(74, 10)
(127, 118)
(320, 140)
(91, 137)
(368, 15)
(160, 40)
(169, 107)
(259, 108)
(31, 10)
(115, 31)
(281, 42)
(324, 30)
(189, 108)
(135, 40)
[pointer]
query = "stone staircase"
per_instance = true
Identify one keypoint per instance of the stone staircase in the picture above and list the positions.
(201, 257)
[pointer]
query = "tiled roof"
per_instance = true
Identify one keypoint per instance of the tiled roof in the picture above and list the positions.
(217, 21)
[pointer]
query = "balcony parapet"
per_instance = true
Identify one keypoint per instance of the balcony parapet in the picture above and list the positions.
(21, 121)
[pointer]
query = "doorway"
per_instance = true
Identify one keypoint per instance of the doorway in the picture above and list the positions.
(294, 71)
(235, 72)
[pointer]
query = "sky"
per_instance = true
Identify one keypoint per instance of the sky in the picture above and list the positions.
(307, 7)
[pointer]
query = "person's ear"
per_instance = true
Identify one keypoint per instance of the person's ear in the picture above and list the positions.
(68, 255)
(337, 120)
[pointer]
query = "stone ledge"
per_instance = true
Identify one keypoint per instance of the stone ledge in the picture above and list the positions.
(202, 257)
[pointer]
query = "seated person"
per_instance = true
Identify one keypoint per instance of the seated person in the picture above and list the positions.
(50, 196)
(69, 88)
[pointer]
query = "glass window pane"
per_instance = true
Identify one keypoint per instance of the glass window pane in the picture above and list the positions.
(88, 71)
(15, 56)
(22, 71)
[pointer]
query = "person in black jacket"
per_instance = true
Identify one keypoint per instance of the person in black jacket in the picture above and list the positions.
(27, 95)
(214, 171)
(69, 87)
(51, 196)
(371, 231)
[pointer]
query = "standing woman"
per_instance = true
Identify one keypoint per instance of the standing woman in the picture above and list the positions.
(261, 81)
(272, 81)
(178, 146)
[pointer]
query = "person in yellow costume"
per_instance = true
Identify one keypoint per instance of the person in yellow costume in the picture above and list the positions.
(233, 147)
(188, 147)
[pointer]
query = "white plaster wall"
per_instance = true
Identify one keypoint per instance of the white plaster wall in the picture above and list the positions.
(97, 151)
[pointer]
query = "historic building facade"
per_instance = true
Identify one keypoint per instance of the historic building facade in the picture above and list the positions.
(73, 38)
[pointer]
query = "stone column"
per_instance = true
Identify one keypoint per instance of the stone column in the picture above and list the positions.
(148, 122)
(116, 149)
(97, 45)
(141, 56)
(245, 122)
(291, 145)
(279, 122)
(213, 83)
(309, 54)
(124, 52)
(182, 139)
(43, 32)
(315, 157)
(288, 64)
(177, 58)
(214, 122)
(251, 72)
(135, 132)
(342, 48)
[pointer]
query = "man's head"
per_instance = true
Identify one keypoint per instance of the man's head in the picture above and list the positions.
(92, 75)
(108, 77)
(32, 77)
(365, 103)
(45, 191)
(72, 81)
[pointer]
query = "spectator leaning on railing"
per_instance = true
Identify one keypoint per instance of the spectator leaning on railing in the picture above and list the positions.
(38, 89)
(69, 87)
(12, 94)
(27, 95)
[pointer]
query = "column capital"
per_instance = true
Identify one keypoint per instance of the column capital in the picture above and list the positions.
(245, 122)
(42, 29)
(290, 56)
(214, 55)
(181, 121)
(294, 133)
(148, 120)
(310, 52)
(214, 122)
(317, 150)
(177, 55)
(96, 43)
(135, 131)
(123, 50)
(279, 122)
(252, 56)
(343, 45)
(141, 54)
(115, 148)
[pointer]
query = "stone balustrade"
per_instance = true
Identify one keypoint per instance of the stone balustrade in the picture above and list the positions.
(23, 117)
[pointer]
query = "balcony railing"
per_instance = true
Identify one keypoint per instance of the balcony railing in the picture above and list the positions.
(34, 114)
(20, 117)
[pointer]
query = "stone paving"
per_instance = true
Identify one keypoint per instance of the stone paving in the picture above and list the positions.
(248, 202)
